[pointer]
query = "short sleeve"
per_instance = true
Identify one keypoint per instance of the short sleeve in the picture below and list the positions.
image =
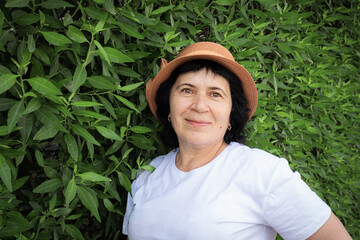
(140, 178)
(291, 207)
(129, 209)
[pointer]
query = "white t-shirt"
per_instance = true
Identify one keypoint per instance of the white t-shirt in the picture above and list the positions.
(243, 193)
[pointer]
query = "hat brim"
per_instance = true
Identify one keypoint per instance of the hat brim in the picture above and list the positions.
(247, 81)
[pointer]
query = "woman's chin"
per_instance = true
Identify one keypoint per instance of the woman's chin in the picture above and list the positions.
(199, 141)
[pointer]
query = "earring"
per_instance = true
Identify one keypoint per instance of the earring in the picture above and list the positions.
(229, 127)
(169, 118)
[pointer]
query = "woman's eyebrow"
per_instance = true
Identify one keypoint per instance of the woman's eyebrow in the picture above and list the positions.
(185, 84)
(218, 89)
(193, 86)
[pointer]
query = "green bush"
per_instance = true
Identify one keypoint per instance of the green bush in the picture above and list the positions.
(74, 123)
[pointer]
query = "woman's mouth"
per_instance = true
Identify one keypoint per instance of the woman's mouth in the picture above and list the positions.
(196, 123)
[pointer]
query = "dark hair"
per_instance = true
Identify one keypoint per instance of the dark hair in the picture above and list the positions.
(239, 113)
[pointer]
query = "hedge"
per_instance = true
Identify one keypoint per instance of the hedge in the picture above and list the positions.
(74, 123)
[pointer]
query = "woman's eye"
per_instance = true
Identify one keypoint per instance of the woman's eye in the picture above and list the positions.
(186, 90)
(215, 94)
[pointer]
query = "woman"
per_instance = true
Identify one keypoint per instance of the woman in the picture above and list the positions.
(212, 186)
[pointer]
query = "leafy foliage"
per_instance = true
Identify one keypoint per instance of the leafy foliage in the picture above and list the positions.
(75, 129)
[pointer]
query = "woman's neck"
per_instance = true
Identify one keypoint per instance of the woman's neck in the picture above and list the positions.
(189, 158)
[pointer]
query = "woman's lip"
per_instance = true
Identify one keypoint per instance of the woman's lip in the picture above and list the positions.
(197, 123)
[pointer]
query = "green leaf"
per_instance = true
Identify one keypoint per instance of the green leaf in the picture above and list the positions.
(26, 18)
(298, 56)
(98, 14)
(55, 4)
(20, 182)
(84, 133)
(15, 224)
(5, 173)
(100, 82)
(116, 56)
(148, 168)
(107, 105)
(11, 153)
(52, 202)
(86, 104)
(91, 150)
(49, 186)
(7, 81)
(130, 30)
(49, 119)
(127, 103)
(76, 35)
(31, 44)
(140, 18)
(16, 3)
(124, 181)
(65, 111)
(74, 232)
(56, 38)
(72, 146)
(109, 6)
(99, 26)
(43, 86)
(51, 173)
(113, 192)
(68, 19)
(91, 114)
(108, 204)
(55, 99)
(42, 56)
(14, 115)
(4, 130)
(39, 158)
(102, 52)
(262, 25)
(108, 133)
(30, 94)
(79, 77)
(140, 129)
(284, 47)
(130, 87)
(128, 72)
(42, 17)
(89, 199)
(94, 177)
(140, 54)
(225, 2)
(26, 123)
(45, 132)
(126, 153)
(70, 191)
(33, 105)
(73, 217)
(6, 103)
(161, 10)
(141, 141)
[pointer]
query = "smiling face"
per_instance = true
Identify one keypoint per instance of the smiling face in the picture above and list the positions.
(200, 107)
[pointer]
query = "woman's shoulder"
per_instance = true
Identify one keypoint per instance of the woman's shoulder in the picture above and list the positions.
(266, 171)
(253, 155)
(163, 158)
(257, 162)
(158, 161)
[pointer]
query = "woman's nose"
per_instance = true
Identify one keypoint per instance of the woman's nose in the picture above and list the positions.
(200, 103)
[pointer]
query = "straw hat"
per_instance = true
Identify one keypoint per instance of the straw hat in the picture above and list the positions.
(207, 51)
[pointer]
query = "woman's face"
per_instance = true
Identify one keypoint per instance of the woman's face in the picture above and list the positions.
(200, 106)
